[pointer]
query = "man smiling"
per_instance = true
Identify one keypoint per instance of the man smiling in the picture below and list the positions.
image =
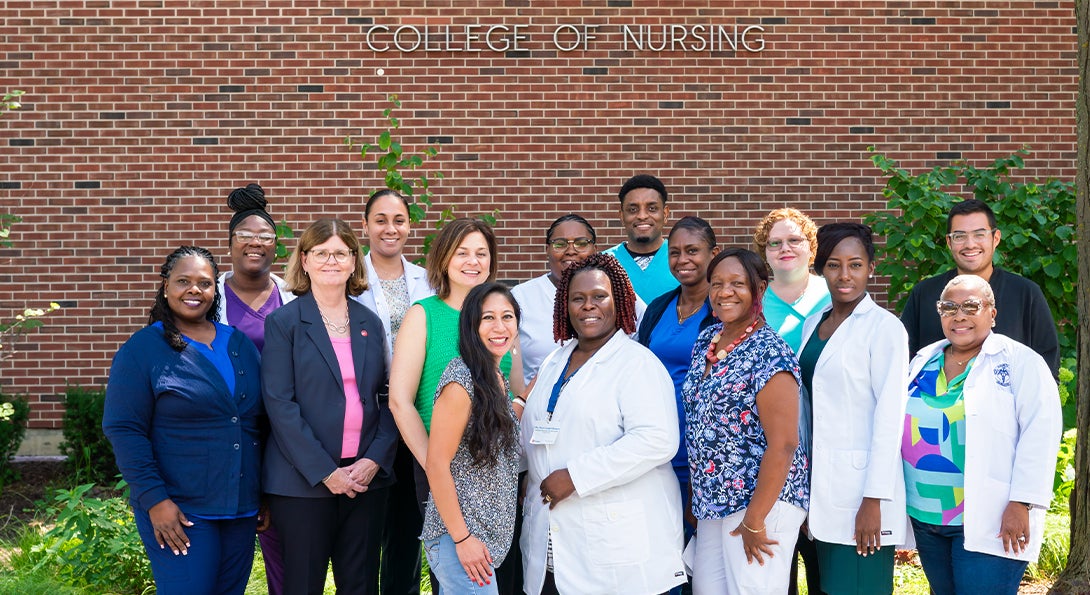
(644, 255)
(1023, 313)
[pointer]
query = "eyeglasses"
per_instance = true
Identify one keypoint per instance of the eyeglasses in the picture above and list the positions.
(322, 256)
(245, 237)
(561, 245)
(970, 307)
(978, 235)
(775, 245)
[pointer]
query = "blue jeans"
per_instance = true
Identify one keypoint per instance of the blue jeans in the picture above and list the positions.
(952, 570)
(453, 580)
(221, 554)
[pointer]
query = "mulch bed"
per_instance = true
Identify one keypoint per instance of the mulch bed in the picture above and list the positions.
(20, 501)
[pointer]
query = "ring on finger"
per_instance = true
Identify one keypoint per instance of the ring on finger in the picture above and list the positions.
(548, 498)
(1021, 538)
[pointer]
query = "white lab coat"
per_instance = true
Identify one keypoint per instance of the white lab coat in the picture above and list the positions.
(536, 298)
(416, 279)
(1013, 425)
(859, 406)
(221, 312)
(620, 532)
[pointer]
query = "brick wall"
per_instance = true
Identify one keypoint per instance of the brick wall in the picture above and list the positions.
(141, 115)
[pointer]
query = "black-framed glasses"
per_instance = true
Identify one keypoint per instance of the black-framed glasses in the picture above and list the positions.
(561, 244)
(970, 307)
(322, 256)
(978, 235)
(245, 237)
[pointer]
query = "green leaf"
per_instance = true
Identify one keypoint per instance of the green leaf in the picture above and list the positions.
(384, 140)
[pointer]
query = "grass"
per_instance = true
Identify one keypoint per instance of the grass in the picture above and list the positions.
(909, 579)
(257, 585)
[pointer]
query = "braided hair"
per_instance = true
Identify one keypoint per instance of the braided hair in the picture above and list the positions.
(246, 202)
(491, 430)
(624, 297)
(160, 310)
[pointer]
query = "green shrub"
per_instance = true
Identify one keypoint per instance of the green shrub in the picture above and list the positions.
(93, 544)
(1037, 220)
(12, 430)
(1065, 471)
(90, 455)
(1054, 548)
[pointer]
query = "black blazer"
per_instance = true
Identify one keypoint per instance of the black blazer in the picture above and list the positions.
(304, 398)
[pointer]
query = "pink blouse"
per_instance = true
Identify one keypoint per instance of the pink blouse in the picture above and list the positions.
(353, 405)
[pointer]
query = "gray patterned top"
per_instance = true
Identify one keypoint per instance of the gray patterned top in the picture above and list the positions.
(486, 495)
(397, 296)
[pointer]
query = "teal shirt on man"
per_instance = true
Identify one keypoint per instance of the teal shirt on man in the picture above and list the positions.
(651, 282)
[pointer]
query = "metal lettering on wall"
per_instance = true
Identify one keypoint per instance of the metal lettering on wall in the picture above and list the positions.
(566, 38)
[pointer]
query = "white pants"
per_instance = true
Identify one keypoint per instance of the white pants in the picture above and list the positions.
(720, 566)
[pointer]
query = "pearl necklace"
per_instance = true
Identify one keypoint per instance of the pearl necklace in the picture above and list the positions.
(714, 356)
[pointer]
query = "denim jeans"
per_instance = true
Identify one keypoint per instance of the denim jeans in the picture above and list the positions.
(443, 559)
(952, 570)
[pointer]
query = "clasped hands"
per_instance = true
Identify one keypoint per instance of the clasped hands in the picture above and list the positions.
(352, 479)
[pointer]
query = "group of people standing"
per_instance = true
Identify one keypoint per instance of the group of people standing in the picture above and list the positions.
(663, 409)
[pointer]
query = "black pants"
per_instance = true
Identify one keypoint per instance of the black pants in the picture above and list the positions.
(342, 529)
(400, 572)
(509, 574)
(805, 548)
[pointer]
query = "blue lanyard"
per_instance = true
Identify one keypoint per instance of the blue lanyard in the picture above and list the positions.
(559, 385)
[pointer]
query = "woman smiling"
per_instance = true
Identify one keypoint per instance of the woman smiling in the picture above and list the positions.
(328, 464)
(981, 431)
(602, 508)
(750, 478)
(854, 361)
(185, 417)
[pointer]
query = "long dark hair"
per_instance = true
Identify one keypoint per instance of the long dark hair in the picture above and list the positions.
(160, 310)
(490, 431)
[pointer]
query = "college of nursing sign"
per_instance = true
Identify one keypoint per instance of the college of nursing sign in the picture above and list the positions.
(566, 38)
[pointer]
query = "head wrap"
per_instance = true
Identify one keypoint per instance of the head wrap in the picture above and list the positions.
(248, 201)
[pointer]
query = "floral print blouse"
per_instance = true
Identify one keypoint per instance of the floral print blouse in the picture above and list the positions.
(723, 431)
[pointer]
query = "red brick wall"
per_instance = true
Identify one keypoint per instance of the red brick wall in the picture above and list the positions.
(141, 115)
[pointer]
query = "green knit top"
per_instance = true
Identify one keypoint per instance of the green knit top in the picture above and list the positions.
(441, 347)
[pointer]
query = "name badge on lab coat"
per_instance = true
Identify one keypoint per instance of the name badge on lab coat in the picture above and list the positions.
(544, 433)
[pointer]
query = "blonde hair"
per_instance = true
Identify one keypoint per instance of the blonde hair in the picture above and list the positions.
(760, 235)
(296, 279)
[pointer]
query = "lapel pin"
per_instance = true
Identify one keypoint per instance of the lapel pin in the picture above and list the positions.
(364, 332)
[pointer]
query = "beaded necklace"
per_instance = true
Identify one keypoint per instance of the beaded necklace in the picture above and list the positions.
(714, 356)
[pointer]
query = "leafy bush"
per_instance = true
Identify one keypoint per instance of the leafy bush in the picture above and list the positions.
(1065, 471)
(1054, 548)
(1037, 220)
(93, 543)
(90, 455)
(16, 412)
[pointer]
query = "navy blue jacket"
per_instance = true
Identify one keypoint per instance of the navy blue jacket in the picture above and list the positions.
(304, 394)
(657, 308)
(176, 430)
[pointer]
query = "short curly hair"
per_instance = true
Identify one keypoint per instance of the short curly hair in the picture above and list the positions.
(760, 235)
(624, 297)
